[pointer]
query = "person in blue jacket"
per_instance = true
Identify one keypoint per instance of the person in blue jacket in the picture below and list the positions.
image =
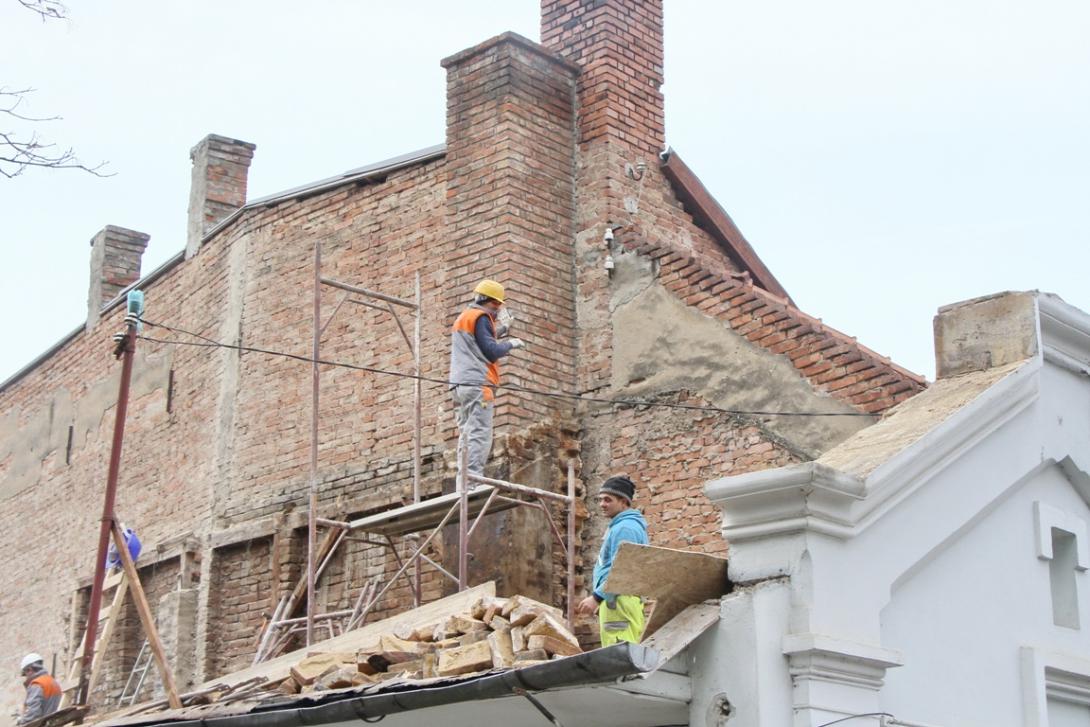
(620, 617)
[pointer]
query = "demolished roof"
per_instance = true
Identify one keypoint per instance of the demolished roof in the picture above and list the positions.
(600, 667)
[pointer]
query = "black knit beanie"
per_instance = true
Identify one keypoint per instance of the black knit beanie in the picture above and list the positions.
(620, 485)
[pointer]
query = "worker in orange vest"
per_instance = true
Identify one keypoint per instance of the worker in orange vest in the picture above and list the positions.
(475, 371)
(43, 694)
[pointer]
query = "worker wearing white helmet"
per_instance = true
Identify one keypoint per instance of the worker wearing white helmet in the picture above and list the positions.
(475, 371)
(43, 694)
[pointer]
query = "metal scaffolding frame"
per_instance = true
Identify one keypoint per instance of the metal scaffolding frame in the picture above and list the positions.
(474, 497)
(414, 347)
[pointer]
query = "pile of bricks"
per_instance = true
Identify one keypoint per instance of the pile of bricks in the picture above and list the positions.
(495, 633)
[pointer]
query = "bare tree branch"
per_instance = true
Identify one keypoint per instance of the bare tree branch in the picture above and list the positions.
(48, 9)
(19, 152)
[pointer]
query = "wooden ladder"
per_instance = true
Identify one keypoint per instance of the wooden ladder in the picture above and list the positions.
(107, 623)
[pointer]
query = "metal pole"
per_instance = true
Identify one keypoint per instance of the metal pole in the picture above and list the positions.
(461, 483)
(313, 495)
(126, 348)
(571, 544)
(417, 403)
(364, 291)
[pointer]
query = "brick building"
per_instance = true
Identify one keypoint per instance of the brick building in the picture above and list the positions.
(548, 145)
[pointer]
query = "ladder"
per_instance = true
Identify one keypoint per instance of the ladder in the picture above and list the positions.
(139, 671)
(107, 623)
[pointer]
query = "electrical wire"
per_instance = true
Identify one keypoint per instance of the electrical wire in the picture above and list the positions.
(857, 716)
(206, 342)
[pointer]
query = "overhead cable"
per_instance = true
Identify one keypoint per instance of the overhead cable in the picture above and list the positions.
(206, 342)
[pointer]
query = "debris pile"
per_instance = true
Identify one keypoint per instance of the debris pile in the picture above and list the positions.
(494, 633)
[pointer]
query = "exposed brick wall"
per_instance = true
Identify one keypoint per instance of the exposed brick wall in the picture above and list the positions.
(241, 578)
(119, 655)
(670, 455)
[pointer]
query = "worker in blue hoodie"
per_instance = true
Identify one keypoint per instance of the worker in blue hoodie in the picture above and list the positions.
(620, 617)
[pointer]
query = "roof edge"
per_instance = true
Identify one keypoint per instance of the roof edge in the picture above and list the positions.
(370, 171)
(386, 166)
(705, 209)
(814, 496)
(593, 667)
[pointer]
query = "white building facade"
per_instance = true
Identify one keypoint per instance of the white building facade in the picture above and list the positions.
(931, 569)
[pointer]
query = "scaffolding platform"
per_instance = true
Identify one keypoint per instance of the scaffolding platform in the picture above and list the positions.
(428, 514)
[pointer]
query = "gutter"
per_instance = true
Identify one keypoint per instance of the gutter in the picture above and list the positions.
(593, 667)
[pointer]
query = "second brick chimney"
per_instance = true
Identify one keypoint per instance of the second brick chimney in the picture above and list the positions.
(220, 169)
(115, 265)
(618, 44)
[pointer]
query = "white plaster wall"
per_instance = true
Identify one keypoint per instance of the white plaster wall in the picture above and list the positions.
(961, 614)
(961, 620)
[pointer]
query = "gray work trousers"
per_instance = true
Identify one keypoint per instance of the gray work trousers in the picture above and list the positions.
(474, 416)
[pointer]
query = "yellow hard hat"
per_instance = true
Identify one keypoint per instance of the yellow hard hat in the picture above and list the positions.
(490, 288)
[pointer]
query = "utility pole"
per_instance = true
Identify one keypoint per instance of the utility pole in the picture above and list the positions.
(125, 348)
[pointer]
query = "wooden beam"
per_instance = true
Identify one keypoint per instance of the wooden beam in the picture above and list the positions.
(331, 536)
(682, 630)
(674, 578)
(107, 634)
(146, 618)
(709, 215)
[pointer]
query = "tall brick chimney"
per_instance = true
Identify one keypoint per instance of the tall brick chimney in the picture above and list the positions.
(510, 165)
(115, 265)
(220, 167)
(618, 46)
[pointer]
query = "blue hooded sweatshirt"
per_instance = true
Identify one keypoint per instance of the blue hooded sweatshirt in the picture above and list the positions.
(628, 526)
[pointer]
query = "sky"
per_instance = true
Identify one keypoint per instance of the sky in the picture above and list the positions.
(883, 157)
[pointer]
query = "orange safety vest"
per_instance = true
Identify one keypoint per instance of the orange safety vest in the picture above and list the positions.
(48, 685)
(464, 328)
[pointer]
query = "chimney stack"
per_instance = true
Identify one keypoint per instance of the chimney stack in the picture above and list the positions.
(984, 333)
(618, 44)
(115, 265)
(220, 167)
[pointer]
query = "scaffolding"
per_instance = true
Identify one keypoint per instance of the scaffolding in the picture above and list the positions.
(473, 498)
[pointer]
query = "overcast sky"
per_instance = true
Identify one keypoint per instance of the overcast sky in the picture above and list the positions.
(883, 157)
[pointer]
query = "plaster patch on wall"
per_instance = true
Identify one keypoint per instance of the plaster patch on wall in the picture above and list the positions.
(632, 275)
(660, 344)
(25, 443)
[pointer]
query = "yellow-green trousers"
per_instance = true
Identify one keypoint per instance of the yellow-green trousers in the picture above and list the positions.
(624, 622)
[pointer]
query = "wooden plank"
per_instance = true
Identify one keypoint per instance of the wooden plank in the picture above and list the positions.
(676, 579)
(146, 619)
(422, 516)
(107, 633)
(296, 600)
(366, 637)
(107, 622)
(682, 630)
